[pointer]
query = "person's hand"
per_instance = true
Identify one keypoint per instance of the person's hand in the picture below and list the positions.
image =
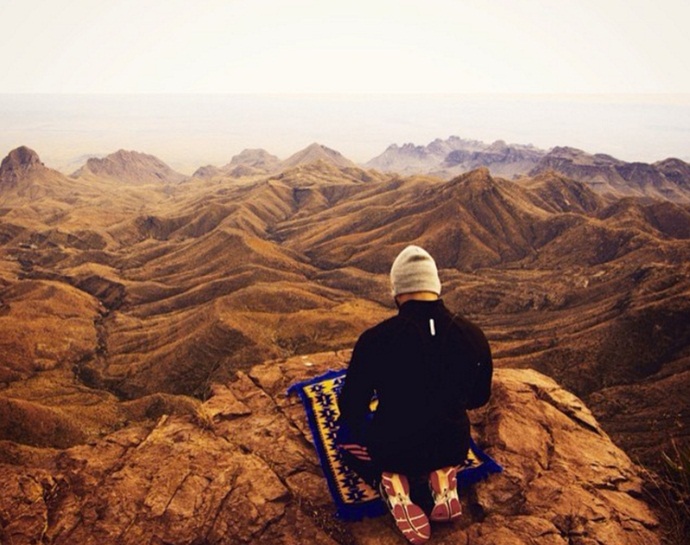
(358, 451)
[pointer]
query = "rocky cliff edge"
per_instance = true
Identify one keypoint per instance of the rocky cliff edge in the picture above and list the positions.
(241, 469)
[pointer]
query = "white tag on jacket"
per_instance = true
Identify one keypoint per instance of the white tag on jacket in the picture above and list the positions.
(432, 327)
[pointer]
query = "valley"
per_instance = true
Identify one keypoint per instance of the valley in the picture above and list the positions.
(128, 290)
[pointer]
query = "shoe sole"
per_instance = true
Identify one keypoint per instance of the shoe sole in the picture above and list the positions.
(444, 488)
(409, 517)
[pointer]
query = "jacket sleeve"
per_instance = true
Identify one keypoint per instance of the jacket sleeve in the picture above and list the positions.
(479, 391)
(356, 394)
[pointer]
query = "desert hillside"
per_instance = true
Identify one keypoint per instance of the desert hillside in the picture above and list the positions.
(128, 292)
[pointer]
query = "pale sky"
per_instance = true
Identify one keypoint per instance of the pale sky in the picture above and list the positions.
(353, 46)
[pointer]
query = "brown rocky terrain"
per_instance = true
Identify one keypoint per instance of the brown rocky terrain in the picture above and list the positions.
(239, 468)
(118, 307)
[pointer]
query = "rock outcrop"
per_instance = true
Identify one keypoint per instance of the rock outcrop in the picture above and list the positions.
(18, 163)
(242, 469)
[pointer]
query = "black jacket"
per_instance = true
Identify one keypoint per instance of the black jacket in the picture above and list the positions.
(426, 367)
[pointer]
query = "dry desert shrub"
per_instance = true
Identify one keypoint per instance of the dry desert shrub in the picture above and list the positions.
(669, 489)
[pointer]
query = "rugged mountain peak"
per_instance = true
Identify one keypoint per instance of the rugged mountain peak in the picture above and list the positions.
(18, 163)
(240, 468)
(579, 157)
(448, 158)
(207, 171)
(675, 170)
(565, 151)
(315, 152)
(410, 158)
(568, 154)
(478, 177)
(476, 184)
(498, 145)
(319, 173)
(256, 158)
(563, 194)
(21, 157)
(666, 180)
(672, 162)
(409, 147)
(131, 167)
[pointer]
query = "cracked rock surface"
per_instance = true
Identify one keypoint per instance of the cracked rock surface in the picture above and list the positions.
(242, 469)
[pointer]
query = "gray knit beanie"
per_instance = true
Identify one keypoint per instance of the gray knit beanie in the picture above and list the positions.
(414, 270)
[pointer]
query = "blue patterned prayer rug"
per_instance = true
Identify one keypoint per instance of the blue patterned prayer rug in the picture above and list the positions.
(353, 497)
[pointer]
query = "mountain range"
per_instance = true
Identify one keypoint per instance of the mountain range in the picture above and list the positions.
(259, 161)
(128, 291)
(667, 179)
(448, 158)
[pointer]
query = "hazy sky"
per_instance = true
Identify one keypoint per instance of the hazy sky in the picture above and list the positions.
(353, 46)
(354, 75)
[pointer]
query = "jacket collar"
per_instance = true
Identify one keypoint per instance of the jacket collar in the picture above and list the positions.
(414, 306)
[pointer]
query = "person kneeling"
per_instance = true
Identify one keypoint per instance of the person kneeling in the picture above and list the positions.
(423, 369)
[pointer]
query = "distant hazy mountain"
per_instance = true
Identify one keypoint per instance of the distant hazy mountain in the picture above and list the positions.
(675, 170)
(247, 163)
(24, 179)
(454, 156)
(130, 167)
(668, 179)
(254, 158)
(208, 171)
(413, 159)
(258, 161)
(316, 152)
(17, 165)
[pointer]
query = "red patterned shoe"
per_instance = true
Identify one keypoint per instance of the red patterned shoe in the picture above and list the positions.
(444, 489)
(409, 517)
